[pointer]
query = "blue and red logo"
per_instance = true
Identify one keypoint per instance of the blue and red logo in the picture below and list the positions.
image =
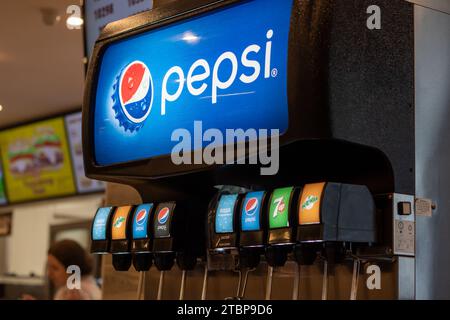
(251, 206)
(133, 96)
(163, 215)
(140, 217)
(250, 213)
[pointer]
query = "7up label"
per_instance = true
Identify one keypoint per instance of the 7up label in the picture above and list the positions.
(279, 208)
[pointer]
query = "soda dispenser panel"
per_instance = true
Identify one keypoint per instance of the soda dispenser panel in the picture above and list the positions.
(142, 235)
(253, 233)
(253, 219)
(101, 231)
(121, 237)
(223, 232)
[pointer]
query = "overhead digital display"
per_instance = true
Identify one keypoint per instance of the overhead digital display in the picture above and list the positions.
(84, 184)
(98, 13)
(2, 187)
(36, 161)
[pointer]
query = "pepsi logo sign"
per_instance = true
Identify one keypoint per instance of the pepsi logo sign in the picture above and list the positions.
(140, 217)
(163, 215)
(251, 206)
(133, 96)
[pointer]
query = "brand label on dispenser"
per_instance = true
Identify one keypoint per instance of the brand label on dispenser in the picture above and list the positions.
(99, 225)
(309, 208)
(119, 224)
(163, 217)
(251, 209)
(279, 208)
(140, 221)
(225, 213)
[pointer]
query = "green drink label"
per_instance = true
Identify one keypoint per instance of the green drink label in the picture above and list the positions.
(279, 208)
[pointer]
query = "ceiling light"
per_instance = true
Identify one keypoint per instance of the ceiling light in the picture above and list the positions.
(74, 22)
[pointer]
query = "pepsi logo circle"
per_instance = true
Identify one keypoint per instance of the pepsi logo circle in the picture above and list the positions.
(163, 215)
(133, 96)
(251, 206)
(141, 216)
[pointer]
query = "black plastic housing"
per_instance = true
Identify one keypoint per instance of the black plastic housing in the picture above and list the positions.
(347, 214)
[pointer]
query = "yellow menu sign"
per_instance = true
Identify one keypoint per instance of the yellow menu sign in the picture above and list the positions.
(36, 161)
(309, 208)
(119, 223)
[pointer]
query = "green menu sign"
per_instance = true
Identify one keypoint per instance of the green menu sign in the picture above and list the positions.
(279, 208)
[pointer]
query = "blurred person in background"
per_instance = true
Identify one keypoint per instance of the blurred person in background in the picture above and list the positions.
(61, 255)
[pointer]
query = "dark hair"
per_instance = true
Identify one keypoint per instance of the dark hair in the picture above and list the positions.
(69, 252)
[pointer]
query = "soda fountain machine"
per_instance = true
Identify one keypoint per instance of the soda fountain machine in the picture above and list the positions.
(286, 130)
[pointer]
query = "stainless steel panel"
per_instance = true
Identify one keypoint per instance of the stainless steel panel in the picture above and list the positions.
(406, 274)
(432, 68)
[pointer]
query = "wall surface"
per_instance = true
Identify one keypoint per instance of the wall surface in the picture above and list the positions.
(25, 250)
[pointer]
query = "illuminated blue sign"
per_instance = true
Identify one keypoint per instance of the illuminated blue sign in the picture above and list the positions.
(226, 68)
(100, 221)
(251, 208)
(140, 221)
(225, 213)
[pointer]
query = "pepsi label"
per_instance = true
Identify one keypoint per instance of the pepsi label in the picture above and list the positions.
(162, 219)
(140, 221)
(251, 210)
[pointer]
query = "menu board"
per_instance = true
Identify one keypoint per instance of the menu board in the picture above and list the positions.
(84, 184)
(98, 13)
(2, 187)
(36, 161)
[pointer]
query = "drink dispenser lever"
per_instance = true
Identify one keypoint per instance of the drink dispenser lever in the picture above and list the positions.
(165, 240)
(223, 235)
(281, 230)
(253, 234)
(121, 238)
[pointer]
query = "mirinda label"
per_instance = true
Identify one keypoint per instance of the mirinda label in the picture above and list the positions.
(119, 223)
(309, 208)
